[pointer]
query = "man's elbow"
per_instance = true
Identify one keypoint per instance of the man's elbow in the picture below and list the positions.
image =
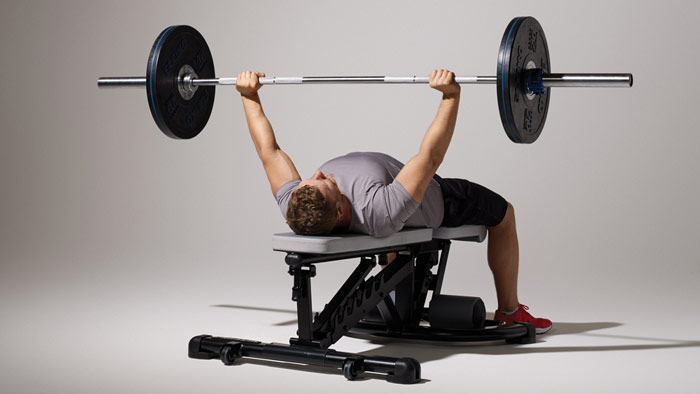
(436, 160)
(431, 160)
(269, 154)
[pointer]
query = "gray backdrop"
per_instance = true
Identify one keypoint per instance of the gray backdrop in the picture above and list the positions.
(108, 229)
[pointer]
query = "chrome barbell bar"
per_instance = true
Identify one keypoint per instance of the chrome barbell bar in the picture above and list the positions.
(548, 80)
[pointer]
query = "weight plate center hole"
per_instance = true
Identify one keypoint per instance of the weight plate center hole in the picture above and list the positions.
(184, 82)
(529, 66)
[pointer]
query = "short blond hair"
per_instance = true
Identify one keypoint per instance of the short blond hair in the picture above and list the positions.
(309, 213)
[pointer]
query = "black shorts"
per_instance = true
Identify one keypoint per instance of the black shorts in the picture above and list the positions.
(470, 203)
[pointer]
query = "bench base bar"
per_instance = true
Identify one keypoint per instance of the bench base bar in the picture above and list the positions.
(397, 370)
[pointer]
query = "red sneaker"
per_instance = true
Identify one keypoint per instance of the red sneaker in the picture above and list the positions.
(522, 316)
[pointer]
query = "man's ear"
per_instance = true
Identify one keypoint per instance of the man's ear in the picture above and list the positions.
(338, 212)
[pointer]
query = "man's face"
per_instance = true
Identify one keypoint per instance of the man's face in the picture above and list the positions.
(326, 185)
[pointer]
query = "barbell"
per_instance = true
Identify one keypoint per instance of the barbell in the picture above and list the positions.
(180, 81)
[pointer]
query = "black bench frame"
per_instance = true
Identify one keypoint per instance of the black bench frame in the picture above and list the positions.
(410, 276)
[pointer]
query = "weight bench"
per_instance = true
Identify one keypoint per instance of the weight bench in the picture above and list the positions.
(390, 303)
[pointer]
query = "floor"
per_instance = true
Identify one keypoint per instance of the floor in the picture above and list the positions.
(130, 335)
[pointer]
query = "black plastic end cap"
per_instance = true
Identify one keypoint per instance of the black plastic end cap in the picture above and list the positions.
(407, 371)
(194, 349)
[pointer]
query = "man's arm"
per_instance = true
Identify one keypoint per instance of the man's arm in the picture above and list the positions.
(417, 173)
(278, 166)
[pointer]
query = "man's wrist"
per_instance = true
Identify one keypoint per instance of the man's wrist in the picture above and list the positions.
(253, 96)
(450, 96)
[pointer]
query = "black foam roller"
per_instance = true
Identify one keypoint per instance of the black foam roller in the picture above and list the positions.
(456, 312)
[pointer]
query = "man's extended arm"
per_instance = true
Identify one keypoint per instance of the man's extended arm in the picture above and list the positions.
(417, 173)
(278, 166)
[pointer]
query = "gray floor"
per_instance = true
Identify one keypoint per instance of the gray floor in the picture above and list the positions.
(130, 334)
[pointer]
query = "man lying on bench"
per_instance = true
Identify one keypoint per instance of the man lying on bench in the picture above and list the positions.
(375, 194)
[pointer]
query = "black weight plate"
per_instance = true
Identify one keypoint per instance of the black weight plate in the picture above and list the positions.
(523, 46)
(175, 47)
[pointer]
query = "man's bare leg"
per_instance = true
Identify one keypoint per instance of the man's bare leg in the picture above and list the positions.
(503, 261)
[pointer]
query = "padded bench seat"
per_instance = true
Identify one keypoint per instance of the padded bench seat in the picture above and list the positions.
(341, 243)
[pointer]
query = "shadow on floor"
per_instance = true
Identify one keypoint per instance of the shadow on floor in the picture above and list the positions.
(292, 322)
(425, 351)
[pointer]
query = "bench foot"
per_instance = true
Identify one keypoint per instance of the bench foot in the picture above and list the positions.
(228, 350)
(529, 337)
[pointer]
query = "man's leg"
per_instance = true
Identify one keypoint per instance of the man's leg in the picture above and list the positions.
(503, 260)
(470, 203)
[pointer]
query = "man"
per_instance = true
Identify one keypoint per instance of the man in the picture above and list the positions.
(375, 194)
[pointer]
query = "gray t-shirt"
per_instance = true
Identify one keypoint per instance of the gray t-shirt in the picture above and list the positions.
(380, 205)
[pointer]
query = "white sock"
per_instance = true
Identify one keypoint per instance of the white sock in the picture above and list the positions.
(510, 313)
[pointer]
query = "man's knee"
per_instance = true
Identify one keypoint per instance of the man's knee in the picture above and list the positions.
(508, 219)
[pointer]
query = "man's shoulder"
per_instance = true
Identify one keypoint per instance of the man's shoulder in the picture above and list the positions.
(366, 154)
(286, 189)
(365, 157)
